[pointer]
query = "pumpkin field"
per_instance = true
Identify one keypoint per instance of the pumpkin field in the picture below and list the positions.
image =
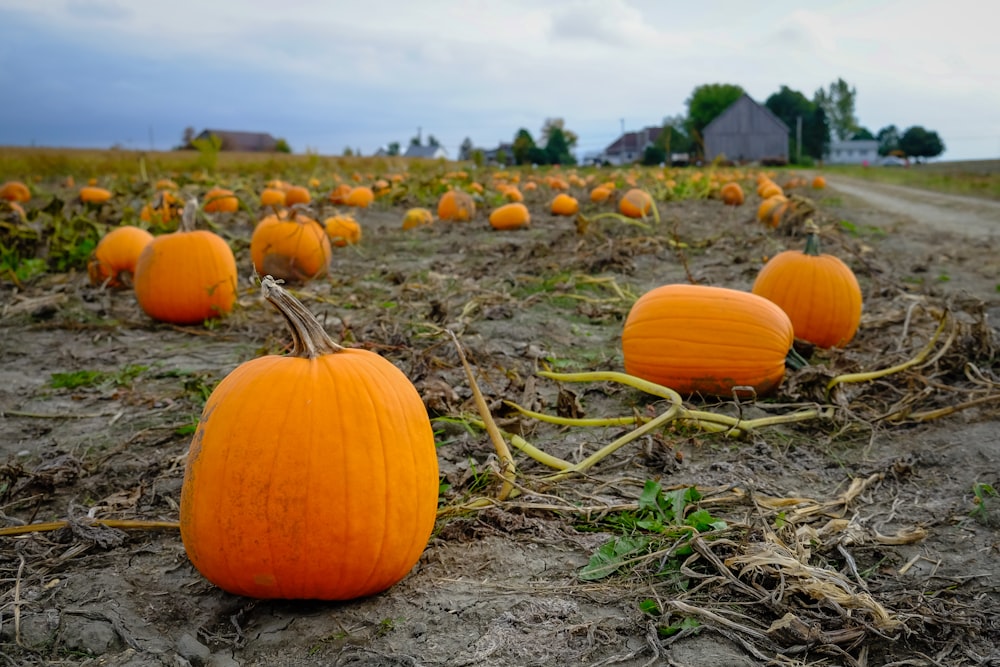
(318, 411)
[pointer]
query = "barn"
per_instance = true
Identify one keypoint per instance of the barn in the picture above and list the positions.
(747, 132)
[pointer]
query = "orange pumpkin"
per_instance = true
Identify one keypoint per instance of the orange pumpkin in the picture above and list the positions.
(310, 476)
(819, 292)
(708, 340)
(188, 276)
(343, 230)
(417, 217)
(770, 189)
(565, 204)
(772, 209)
(360, 197)
(732, 194)
(291, 247)
(221, 200)
(636, 203)
(510, 216)
(15, 191)
(456, 206)
(92, 194)
(818, 183)
(296, 194)
(339, 194)
(272, 197)
(114, 259)
(600, 194)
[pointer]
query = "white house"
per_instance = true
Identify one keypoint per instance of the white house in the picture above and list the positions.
(853, 151)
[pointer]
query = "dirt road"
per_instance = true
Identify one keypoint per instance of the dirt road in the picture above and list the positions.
(969, 216)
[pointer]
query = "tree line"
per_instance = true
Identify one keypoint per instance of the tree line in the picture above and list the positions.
(830, 113)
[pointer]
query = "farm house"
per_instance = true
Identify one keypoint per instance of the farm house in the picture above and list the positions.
(746, 132)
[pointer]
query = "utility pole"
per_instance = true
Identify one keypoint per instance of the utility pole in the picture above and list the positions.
(798, 140)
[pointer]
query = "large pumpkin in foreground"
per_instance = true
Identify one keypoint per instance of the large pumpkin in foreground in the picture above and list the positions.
(819, 292)
(310, 476)
(708, 340)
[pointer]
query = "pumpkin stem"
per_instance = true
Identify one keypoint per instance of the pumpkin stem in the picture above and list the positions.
(812, 239)
(309, 338)
(188, 215)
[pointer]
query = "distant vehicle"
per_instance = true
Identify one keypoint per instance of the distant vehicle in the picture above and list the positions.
(892, 161)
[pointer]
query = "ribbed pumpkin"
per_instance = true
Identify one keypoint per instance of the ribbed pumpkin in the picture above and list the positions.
(600, 194)
(221, 200)
(732, 194)
(310, 476)
(114, 259)
(163, 210)
(564, 204)
(290, 246)
(510, 216)
(417, 217)
(15, 191)
(339, 194)
(708, 340)
(819, 292)
(456, 206)
(343, 230)
(188, 276)
(636, 203)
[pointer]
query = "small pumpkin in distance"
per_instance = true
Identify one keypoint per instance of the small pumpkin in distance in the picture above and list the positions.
(91, 194)
(510, 216)
(456, 206)
(818, 291)
(312, 475)
(707, 340)
(636, 203)
(772, 209)
(15, 191)
(818, 183)
(564, 204)
(187, 276)
(221, 200)
(290, 246)
(600, 194)
(272, 197)
(296, 194)
(732, 194)
(417, 217)
(343, 230)
(114, 259)
(339, 194)
(359, 197)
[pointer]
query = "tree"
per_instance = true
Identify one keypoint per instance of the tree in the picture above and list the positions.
(187, 137)
(864, 133)
(348, 152)
(706, 102)
(432, 141)
(557, 148)
(790, 105)
(654, 154)
(674, 138)
(888, 140)
(415, 141)
(838, 103)
(281, 146)
(522, 147)
(465, 150)
(552, 124)
(393, 148)
(918, 143)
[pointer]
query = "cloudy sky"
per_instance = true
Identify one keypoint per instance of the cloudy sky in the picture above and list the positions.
(330, 74)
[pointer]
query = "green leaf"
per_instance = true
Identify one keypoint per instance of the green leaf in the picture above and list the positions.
(671, 630)
(651, 497)
(649, 606)
(611, 556)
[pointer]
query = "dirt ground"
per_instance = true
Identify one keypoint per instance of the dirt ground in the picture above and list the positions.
(853, 539)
